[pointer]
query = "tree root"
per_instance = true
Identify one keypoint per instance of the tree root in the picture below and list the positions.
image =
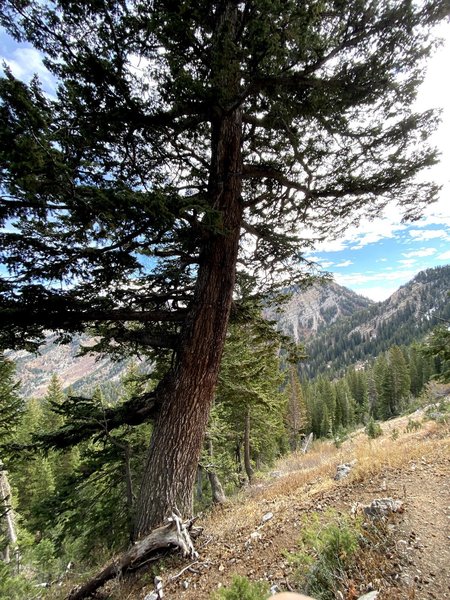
(174, 533)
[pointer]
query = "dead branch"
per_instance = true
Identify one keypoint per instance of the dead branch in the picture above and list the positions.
(174, 534)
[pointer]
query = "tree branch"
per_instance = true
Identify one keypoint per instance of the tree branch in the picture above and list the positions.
(268, 172)
(65, 318)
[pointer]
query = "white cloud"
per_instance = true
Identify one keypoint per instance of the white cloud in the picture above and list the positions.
(378, 294)
(324, 264)
(331, 245)
(407, 262)
(376, 285)
(356, 279)
(420, 253)
(420, 235)
(25, 62)
(444, 255)
(437, 213)
(344, 263)
(388, 225)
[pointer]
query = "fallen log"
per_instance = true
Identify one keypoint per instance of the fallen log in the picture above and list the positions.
(174, 534)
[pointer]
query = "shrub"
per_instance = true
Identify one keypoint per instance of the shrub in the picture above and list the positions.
(243, 589)
(373, 429)
(326, 551)
(394, 434)
(413, 425)
(14, 587)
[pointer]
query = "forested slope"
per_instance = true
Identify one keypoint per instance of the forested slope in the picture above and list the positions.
(405, 317)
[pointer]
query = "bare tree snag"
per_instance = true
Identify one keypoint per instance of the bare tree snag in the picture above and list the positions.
(307, 442)
(247, 459)
(218, 494)
(8, 514)
(174, 534)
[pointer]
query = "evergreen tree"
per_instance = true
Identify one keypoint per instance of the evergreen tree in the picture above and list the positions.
(345, 405)
(437, 345)
(357, 383)
(246, 122)
(328, 398)
(296, 416)
(32, 473)
(11, 404)
(11, 408)
(402, 382)
(250, 405)
(64, 462)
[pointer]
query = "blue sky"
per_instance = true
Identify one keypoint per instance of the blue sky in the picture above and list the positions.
(379, 256)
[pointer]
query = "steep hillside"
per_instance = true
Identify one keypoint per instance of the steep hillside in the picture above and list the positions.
(410, 313)
(313, 310)
(257, 532)
(77, 372)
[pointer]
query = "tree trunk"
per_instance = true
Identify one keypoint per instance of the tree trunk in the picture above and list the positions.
(174, 534)
(218, 495)
(247, 460)
(8, 514)
(186, 393)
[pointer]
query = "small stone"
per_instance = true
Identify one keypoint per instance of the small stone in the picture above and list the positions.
(221, 568)
(267, 517)
(370, 596)
(185, 584)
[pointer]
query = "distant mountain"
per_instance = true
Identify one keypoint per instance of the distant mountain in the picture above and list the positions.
(411, 312)
(77, 372)
(310, 311)
(337, 327)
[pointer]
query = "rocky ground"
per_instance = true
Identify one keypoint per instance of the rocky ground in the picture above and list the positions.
(252, 534)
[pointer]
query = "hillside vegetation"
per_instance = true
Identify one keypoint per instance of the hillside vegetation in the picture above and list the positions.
(258, 534)
(73, 463)
(406, 316)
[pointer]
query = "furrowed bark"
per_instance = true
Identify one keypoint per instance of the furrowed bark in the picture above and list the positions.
(187, 392)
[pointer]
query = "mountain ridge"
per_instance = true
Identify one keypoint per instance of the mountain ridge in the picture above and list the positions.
(403, 318)
(337, 326)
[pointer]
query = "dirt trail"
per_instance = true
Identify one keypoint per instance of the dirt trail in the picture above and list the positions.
(422, 533)
(425, 528)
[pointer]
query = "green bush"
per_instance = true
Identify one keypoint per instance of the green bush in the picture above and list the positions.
(373, 429)
(413, 426)
(327, 548)
(243, 589)
(15, 587)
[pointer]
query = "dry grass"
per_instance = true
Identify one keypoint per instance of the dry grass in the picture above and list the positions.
(304, 476)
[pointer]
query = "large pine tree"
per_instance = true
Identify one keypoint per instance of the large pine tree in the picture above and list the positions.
(186, 143)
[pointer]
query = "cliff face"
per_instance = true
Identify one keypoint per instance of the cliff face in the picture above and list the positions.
(311, 310)
(405, 317)
(36, 370)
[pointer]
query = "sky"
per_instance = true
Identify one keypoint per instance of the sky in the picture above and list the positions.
(379, 256)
